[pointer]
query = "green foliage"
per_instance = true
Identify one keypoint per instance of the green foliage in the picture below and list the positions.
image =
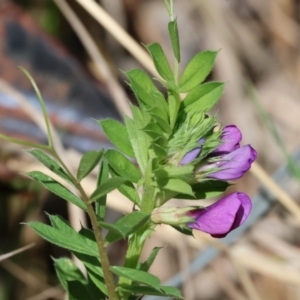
(122, 166)
(161, 63)
(197, 70)
(173, 31)
(63, 235)
(51, 164)
(206, 189)
(117, 134)
(56, 188)
(87, 163)
(162, 130)
(125, 226)
(110, 185)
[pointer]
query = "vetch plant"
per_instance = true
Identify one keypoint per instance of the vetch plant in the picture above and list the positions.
(181, 152)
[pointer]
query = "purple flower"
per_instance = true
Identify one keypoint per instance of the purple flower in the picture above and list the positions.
(233, 165)
(231, 137)
(193, 154)
(223, 216)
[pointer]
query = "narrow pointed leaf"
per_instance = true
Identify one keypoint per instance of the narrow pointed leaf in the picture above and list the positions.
(147, 93)
(165, 291)
(205, 190)
(102, 178)
(125, 226)
(67, 238)
(173, 31)
(117, 134)
(175, 185)
(137, 276)
(122, 165)
(139, 143)
(50, 163)
(160, 61)
(197, 70)
(145, 266)
(56, 188)
(105, 188)
(88, 162)
(203, 97)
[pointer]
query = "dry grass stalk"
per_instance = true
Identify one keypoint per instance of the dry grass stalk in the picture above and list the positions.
(97, 12)
(118, 95)
(12, 253)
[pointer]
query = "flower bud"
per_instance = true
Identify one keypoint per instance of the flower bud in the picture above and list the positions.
(172, 215)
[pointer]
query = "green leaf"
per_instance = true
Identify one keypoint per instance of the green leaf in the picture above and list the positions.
(101, 202)
(125, 226)
(173, 31)
(205, 190)
(147, 93)
(51, 164)
(137, 276)
(90, 262)
(65, 237)
(66, 271)
(145, 266)
(175, 185)
(117, 134)
(105, 188)
(128, 190)
(160, 61)
(197, 70)
(88, 162)
(122, 166)
(78, 291)
(203, 97)
(181, 172)
(138, 142)
(167, 291)
(174, 105)
(56, 188)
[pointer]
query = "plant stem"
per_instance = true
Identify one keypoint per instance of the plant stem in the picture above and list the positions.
(108, 277)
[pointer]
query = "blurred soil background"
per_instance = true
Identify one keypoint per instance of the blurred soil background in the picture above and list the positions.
(259, 44)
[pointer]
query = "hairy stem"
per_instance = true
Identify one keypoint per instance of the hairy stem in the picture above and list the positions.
(108, 277)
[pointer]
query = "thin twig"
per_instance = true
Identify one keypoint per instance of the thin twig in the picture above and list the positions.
(12, 253)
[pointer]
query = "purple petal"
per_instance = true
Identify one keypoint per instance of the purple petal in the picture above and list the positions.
(190, 156)
(233, 165)
(223, 216)
(193, 154)
(231, 137)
